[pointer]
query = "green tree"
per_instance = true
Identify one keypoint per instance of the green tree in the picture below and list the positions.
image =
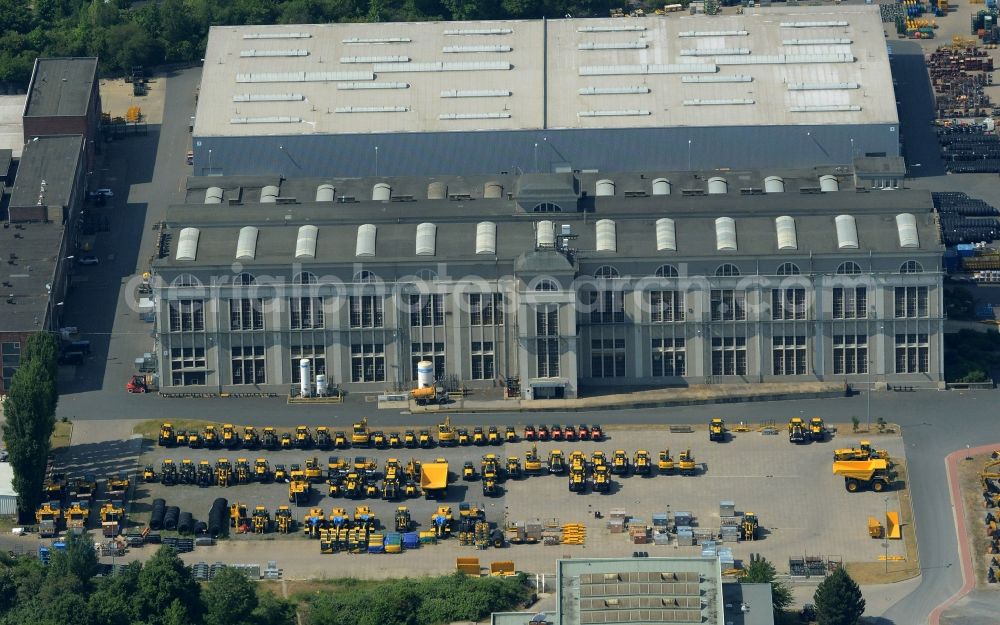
(112, 603)
(163, 581)
(761, 571)
(229, 599)
(838, 600)
(29, 421)
(78, 559)
(273, 611)
(43, 347)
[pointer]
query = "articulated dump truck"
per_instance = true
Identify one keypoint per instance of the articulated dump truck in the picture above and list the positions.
(864, 474)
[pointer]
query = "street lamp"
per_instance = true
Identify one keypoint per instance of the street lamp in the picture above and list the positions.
(689, 155)
(885, 537)
(376, 160)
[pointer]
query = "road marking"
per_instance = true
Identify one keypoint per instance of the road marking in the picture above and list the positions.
(958, 511)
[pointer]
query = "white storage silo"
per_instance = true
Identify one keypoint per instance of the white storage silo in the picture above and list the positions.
(425, 374)
(320, 385)
(304, 376)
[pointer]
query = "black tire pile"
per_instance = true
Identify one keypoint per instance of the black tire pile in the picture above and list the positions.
(965, 220)
(156, 518)
(218, 518)
(170, 518)
(969, 150)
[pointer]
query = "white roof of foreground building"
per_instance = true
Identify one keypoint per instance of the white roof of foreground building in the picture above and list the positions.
(770, 66)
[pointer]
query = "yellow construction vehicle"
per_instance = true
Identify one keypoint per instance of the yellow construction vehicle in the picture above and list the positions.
(116, 485)
(864, 451)
(532, 463)
(167, 435)
(685, 463)
(360, 436)
(269, 439)
(493, 436)
(619, 463)
(210, 437)
(299, 491)
(510, 434)
(434, 479)
(557, 463)
(262, 471)
(168, 472)
(642, 464)
(379, 440)
(205, 475)
(598, 459)
(441, 522)
(463, 437)
(312, 522)
(468, 471)
(323, 439)
(313, 471)
(862, 474)
(403, 520)
(602, 479)
(446, 433)
(514, 468)
(194, 440)
(424, 439)
(717, 431)
(238, 516)
(364, 516)
(426, 395)
(817, 429)
(250, 439)
(797, 432)
(490, 469)
(49, 518)
(353, 485)
(336, 467)
(340, 440)
(187, 474)
(261, 520)
(230, 439)
(223, 472)
(242, 470)
(181, 438)
(286, 441)
(412, 470)
(577, 478)
(339, 517)
(395, 440)
(284, 520)
(112, 517)
(748, 526)
(76, 517)
(666, 463)
(303, 438)
(478, 436)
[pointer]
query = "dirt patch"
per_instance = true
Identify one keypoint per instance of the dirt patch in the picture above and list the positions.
(890, 572)
(969, 469)
(61, 437)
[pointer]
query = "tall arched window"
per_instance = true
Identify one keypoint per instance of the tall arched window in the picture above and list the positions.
(304, 277)
(911, 266)
(727, 269)
(788, 269)
(666, 271)
(606, 271)
(365, 276)
(849, 268)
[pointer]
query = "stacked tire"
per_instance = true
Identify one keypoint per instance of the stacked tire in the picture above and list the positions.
(170, 518)
(156, 517)
(218, 517)
(185, 523)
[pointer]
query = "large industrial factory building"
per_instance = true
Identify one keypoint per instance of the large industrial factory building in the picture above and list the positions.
(772, 88)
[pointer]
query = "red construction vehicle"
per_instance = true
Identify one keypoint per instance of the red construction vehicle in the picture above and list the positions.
(137, 384)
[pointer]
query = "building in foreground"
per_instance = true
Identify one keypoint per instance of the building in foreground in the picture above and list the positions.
(558, 281)
(64, 98)
(38, 242)
(771, 88)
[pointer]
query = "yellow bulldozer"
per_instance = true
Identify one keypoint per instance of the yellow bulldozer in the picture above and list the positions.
(557, 463)
(284, 521)
(514, 468)
(619, 462)
(250, 439)
(864, 451)
(817, 429)
(360, 435)
(242, 470)
(717, 431)
(303, 438)
(238, 515)
(167, 435)
(210, 437)
(223, 472)
(602, 479)
(230, 439)
(748, 526)
(642, 464)
(262, 470)
(299, 491)
(261, 520)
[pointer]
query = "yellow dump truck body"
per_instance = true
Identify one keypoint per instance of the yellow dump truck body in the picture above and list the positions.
(433, 477)
(859, 469)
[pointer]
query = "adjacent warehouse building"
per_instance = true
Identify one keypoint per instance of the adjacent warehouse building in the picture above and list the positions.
(37, 241)
(64, 98)
(771, 88)
(560, 281)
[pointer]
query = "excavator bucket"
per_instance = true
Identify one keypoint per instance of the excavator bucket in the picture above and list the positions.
(892, 527)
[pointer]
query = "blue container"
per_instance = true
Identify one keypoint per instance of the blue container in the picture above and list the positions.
(966, 249)
(411, 540)
(984, 311)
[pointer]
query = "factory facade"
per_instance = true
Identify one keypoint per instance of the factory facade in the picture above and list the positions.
(770, 88)
(557, 281)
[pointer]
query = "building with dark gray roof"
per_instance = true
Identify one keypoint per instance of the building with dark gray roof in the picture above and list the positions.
(64, 99)
(771, 87)
(560, 281)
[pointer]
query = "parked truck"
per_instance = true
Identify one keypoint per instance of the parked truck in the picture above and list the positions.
(434, 479)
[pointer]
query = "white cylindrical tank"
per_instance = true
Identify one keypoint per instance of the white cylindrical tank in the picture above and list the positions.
(425, 374)
(320, 385)
(304, 376)
(774, 184)
(829, 184)
(717, 186)
(661, 186)
(381, 192)
(605, 187)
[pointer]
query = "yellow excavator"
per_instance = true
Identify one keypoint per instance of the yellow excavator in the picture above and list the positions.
(685, 463)
(360, 435)
(666, 463)
(446, 433)
(532, 463)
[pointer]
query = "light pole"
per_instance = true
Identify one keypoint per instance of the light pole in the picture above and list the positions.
(689, 155)
(376, 160)
(885, 537)
(210, 162)
(536, 158)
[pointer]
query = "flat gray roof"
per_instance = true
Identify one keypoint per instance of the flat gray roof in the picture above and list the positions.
(36, 249)
(768, 66)
(756, 598)
(61, 87)
(635, 224)
(52, 159)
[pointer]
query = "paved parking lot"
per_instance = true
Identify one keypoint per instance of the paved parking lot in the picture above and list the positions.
(803, 508)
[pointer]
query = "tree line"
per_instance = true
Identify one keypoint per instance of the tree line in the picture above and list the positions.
(175, 31)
